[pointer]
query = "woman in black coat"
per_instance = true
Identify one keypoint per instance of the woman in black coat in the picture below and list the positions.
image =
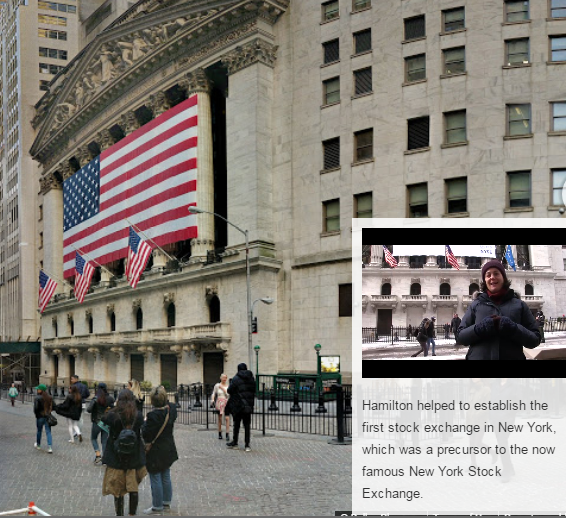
(124, 472)
(498, 324)
(157, 433)
(72, 409)
(98, 407)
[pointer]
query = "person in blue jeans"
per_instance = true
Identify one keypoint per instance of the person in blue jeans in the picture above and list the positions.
(161, 452)
(42, 407)
(97, 408)
(432, 335)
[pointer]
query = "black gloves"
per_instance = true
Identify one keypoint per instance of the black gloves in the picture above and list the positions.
(494, 324)
(507, 326)
(485, 328)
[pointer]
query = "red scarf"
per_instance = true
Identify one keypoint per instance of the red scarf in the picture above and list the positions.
(497, 297)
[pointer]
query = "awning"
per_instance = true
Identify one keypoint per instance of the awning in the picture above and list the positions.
(20, 347)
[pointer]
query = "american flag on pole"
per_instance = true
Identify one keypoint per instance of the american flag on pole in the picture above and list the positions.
(84, 271)
(46, 290)
(138, 255)
(450, 257)
(391, 261)
(149, 177)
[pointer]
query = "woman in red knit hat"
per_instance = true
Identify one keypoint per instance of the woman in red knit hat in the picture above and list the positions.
(497, 324)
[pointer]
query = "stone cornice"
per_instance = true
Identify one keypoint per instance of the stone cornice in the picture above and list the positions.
(121, 60)
(49, 182)
(257, 51)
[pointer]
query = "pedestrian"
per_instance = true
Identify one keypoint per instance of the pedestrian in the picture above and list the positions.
(409, 331)
(42, 407)
(219, 399)
(454, 325)
(497, 325)
(431, 333)
(134, 386)
(422, 337)
(447, 331)
(241, 404)
(161, 452)
(13, 393)
(84, 392)
(124, 455)
(98, 407)
(72, 409)
(541, 319)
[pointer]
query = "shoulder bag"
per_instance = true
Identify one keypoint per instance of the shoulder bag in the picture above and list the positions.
(148, 446)
(51, 420)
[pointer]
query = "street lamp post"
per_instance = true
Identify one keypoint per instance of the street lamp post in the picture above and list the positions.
(194, 210)
(256, 349)
(317, 348)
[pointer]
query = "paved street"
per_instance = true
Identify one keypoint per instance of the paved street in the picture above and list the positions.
(284, 474)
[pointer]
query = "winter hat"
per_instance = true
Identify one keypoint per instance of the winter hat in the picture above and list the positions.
(493, 264)
(242, 367)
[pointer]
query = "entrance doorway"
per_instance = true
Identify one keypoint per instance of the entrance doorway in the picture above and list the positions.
(137, 367)
(384, 321)
(169, 370)
(213, 365)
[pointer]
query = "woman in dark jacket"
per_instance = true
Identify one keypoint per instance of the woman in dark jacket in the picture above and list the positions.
(123, 472)
(97, 408)
(241, 404)
(157, 431)
(498, 324)
(72, 409)
(42, 406)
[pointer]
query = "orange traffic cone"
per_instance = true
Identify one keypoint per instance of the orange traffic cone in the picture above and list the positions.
(30, 509)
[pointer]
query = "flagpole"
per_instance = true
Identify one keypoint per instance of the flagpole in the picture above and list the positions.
(95, 262)
(58, 280)
(137, 229)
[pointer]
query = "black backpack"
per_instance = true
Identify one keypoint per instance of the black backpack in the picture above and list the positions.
(127, 441)
(416, 332)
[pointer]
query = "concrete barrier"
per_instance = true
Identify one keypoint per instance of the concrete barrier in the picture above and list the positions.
(551, 352)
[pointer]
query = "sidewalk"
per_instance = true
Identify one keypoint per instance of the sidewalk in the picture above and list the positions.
(284, 474)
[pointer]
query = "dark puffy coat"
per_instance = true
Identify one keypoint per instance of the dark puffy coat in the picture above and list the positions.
(431, 331)
(97, 411)
(110, 457)
(163, 453)
(69, 409)
(499, 346)
(242, 392)
(455, 324)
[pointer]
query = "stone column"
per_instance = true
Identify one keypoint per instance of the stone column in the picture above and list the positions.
(249, 140)
(159, 260)
(104, 139)
(159, 104)
(431, 262)
(122, 365)
(404, 262)
(52, 191)
(99, 373)
(129, 123)
(197, 83)
(83, 155)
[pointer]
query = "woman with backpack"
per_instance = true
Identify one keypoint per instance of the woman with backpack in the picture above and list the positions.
(160, 448)
(422, 337)
(124, 455)
(72, 409)
(97, 408)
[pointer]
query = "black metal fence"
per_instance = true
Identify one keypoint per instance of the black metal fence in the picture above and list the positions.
(555, 324)
(400, 334)
(304, 411)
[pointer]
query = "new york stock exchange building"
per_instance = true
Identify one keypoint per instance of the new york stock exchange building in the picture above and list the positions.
(186, 321)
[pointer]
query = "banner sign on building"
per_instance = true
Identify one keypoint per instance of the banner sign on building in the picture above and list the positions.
(148, 178)
(458, 250)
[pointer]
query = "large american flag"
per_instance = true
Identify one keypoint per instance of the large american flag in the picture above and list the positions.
(149, 177)
(84, 271)
(450, 257)
(389, 258)
(46, 290)
(138, 255)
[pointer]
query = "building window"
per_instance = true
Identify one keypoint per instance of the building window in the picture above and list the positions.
(139, 318)
(345, 300)
(418, 200)
(415, 68)
(363, 205)
(557, 9)
(362, 80)
(331, 91)
(171, 315)
(112, 322)
(558, 48)
(453, 19)
(415, 28)
(363, 145)
(529, 290)
(517, 51)
(386, 288)
(90, 325)
(331, 51)
(455, 124)
(454, 60)
(44, 85)
(47, 68)
(71, 326)
(331, 150)
(457, 195)
(559, 116)
(516, 10)
(45, 52)
(418, 133)
(474, 287)
(445, 287)
(362, 41)
(519, 189)
(52, 20)
(214, 309)
(415, 288)
(55, 329)
(54, 35)
(519, 119)
(330, 11)
(53, 6)
(358, 5)
(331, 215)
(558, 182)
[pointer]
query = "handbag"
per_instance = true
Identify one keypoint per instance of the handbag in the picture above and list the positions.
(51, 420)
(148, 446)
